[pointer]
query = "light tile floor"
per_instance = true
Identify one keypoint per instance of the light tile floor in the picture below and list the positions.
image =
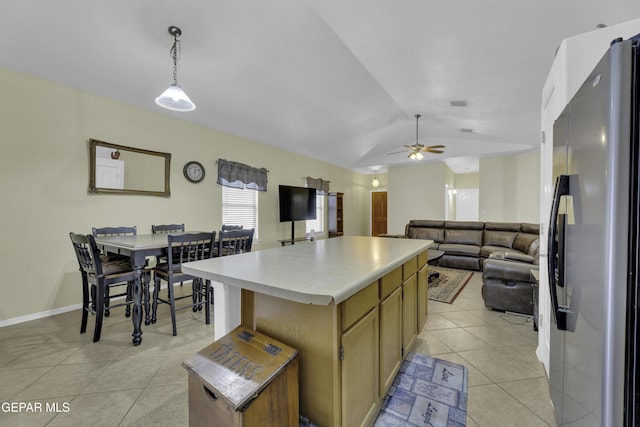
(507, 384)
(69, 381)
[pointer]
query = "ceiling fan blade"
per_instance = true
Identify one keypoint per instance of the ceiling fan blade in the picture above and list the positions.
(397, 152)
(434, 151)
(410, 147)
(436, 146)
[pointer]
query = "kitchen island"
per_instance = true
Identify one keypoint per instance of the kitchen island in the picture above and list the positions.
(352, 306)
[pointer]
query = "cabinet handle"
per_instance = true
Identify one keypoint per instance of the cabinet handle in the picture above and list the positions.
(211, 395)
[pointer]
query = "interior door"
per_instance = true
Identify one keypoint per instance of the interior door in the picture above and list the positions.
(378, 213)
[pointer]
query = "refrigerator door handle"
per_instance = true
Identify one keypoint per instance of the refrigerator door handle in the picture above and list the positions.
(555, 253)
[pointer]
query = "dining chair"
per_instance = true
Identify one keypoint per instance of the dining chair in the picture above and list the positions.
(166, 229)
(98, 276)
(235, 242)
(226, 227)
(116, 231)
(185, 247)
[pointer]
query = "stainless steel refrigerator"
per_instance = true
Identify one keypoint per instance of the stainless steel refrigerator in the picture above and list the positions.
(593, 248)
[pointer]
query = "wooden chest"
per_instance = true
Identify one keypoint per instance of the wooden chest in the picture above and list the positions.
(244, 379)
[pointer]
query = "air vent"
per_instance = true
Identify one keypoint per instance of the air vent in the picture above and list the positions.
(459, 103)
(466, 130)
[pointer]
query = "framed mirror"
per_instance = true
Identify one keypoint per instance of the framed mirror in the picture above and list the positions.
(118, 169)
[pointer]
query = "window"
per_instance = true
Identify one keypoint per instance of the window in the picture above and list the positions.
(240, 207)
(317, 224)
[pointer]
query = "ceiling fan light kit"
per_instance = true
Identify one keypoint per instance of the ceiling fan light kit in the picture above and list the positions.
(174, 98)
(417, 148)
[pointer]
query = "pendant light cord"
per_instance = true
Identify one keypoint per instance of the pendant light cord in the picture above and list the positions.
(175, 55)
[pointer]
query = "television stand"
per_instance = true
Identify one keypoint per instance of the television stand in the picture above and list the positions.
(286, 242)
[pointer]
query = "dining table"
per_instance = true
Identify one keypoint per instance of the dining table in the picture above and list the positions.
(138, 248)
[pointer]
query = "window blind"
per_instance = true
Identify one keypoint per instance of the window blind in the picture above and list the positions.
(240, 207)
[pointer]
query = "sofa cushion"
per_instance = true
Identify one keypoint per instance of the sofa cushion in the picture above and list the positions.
(426, 223)
(503, 226)
(435, 234)
(490, 251)
(457, 249)
(464, 237)
(530, 228)
(464, 225)
(460, 261)
(524, 242)
(502, 239)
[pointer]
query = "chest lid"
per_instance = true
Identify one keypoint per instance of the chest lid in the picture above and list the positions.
(240, 365)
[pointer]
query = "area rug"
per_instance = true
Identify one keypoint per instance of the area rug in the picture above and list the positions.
(448, 285)
(426, 392)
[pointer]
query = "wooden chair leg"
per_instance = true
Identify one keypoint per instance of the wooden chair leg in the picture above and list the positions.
(201, 288)
(127, 310)
(207, 306)
(173, 308)
(105, 300)
(154, 301)
(100, 295)
(85, 304)
(195, 286)
(146, 277)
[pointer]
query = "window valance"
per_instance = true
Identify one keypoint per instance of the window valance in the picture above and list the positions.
(319, 184)
(239, 175)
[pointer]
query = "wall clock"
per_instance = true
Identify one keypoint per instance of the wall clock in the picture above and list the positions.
(193, 171)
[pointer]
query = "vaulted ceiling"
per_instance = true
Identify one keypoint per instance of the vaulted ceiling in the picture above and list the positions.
(336, 80)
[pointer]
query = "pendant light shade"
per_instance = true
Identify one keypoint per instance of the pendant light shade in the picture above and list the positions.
(376, 182)
(174, 98)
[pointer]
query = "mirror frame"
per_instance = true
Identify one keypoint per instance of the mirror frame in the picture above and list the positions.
(93, 143)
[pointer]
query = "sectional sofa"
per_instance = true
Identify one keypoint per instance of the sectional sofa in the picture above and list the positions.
(506, 253)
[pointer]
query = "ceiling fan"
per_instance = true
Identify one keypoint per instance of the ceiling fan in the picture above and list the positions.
(415, 150)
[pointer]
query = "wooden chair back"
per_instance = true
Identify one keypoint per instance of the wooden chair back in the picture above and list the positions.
(189, 247)
(226, 227)
(87, 253)
(114, 231)
(167, 228)
(235, 242)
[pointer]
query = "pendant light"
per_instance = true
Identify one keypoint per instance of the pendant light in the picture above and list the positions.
(376, 182)
(174, 97)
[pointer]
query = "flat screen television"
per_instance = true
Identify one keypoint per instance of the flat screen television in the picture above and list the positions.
(297, 203)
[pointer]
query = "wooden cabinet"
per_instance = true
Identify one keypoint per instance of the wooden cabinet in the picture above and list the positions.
(359, 353)
(409, 304)
(390, 338)
(423, 288)
(349, 352)
(409, 313)
(336, 215)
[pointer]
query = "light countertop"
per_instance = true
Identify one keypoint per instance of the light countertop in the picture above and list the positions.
(321, 272)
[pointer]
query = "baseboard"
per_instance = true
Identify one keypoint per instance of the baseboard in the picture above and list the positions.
(42, 314)
(48, 313)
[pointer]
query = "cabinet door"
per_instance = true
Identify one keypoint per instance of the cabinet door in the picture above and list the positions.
(360, 401)
(409, 313)
(422, 303)
(390, 339)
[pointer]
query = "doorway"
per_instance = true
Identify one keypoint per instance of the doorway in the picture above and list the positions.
(467, 204)
(378, 213)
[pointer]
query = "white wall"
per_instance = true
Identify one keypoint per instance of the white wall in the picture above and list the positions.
(44, 179)
(509, 188)
(415, 192)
